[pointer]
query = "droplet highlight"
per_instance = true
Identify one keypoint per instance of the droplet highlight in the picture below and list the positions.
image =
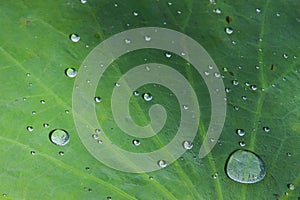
(59, 137)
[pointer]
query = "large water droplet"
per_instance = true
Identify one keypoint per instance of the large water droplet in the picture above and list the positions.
(147, 97)
(291, 186)
(245, 167)
(71, 72)
(162, 163)
(59, 137)
(74, 37)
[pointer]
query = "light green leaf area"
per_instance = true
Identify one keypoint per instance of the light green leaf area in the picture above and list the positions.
(263, 50)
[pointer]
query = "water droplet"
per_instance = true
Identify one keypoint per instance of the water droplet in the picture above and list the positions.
(179, 12)
(236, 108)
(135, 13)
(61, 153)
(227, 90)
(217, 11)
(291, 186)
(168, 55)
(151, 178)
(258, 10)
(27, 74)
(253, 87)
(33, 112)
(83, 1)
(67, 111)
(97, 99)
(147, 97)
(74, 37)
(187, 145)
(147, 38)
(244, 98)
(217, 74)
(245, 167)
(71, 72)
(215, 175)
(285, 56)
(117, 84)
(98, 131)
(59, 137)
(289, 154)
(127, 41)
(136, 93)
(256, 67)
(45, 125)
(242, 143)
(162, 163)
(95, 136)
(29, 128)
(42, 101)
(32, 153)
(136, 142)
(235, 82)
(87, 168)
(185, 107)
(278, 14)
(228, 30)
(212, 1)
(266, 129)
(247, 84)
(108, 198)
(240, 132)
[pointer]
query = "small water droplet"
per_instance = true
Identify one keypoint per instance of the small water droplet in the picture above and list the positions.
(136, 93)
(151, 178)
(235, 82)
(109, 198)
(61, 153)
(266, 129)
(240, 132)
(245, 167)
(59, 137)
(71, 72)
(247, 84)
(83, 1)
(147, 97)
(74, 37)
(244, 98)
(42, 101)
(95, 136)
(285, 56)
(117, 84)
(236, 108)
(185, 107)
(291, 186)
(127, 41)
(32, 153)
(97, 99)
(206, 73)
(148, 38)
(242, 143)
(179, 12)
(217, 11)
(215, 175)
(256, 67)
(67, 111)
(228, 30)
(168, 55)
(29, 128)
(136, 142)
(33, 112)
(135, 13)
(278, 14)
(258, 10)
(45, 125)
(162, 163)
(27, 74)
(289, 154)
(217, 74)
(187, 145)
(253, 87)
(227, 90)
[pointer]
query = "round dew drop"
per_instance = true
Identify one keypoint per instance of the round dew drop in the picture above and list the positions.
(59, 137)
(71, 72)
(162, 163)
(29, 128)
(147, 97)
(97, 99)
(74, 37)
(187, 145)
(136, 142)
(240, 132)
(228, 30)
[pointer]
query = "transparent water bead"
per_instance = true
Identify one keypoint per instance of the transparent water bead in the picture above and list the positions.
(136, 142)
(187, 145)
(97, 99)
(162, 163)
(83, 1)
(291, 186)
(147, 97)
(168, 55)
(71, 72)
(266, 129)
(240, 132)
(147, 38)
(59, 137)
(29, 128)
(245, 167)
(136, 93)
(228, 30)
(74, 37)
